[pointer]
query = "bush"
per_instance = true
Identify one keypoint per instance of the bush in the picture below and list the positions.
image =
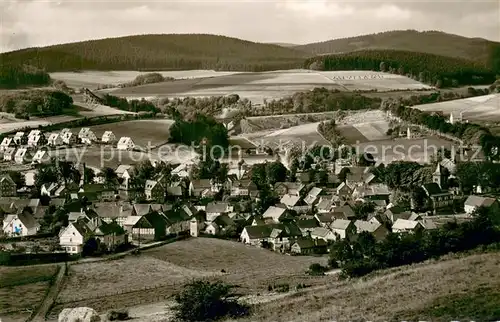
(208, 301)
(118, 315)
(317, 269)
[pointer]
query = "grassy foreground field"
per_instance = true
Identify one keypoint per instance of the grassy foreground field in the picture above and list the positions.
(159, 273)
(457, 289)
(22, 289)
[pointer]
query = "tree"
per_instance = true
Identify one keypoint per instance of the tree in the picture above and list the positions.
(343, 174)
(208, 301)
(366, 160)
(109, 175)
(88, 175)
(275, 172)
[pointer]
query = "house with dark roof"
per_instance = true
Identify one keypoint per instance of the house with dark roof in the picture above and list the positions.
(438, 197)
(73, 236)
(327, 218)
(279, 237)
(216, 209)
(324, 234)
(307, 246)
(290, 188)
(21, 224)
(111, 234)
(394, 213)
(306, 226)
(343, 228)
(346, 210)
(474, 202)
(154, 190)
(203, 188)
(325, 204)
(406, 226)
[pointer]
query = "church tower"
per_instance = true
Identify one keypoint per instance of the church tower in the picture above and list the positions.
(439, 176)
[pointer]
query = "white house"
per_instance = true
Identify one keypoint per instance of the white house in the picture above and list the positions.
(35, 140)
(49, 189)
(323, 233)
(125, 143)
(20, 155)
(72, 237)
(55, 139)
(404, 226)
(18, 138)
(108, 137)
(68, 137)
(40, 156)
(6, 142)
(9, 154)
(125, 172)
(474, 202)
(86, 133)
(34, 133)
(29, 178)
(23, 224)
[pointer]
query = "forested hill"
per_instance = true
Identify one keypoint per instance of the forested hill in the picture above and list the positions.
(432, 69)
(159, 52)
(432, 42)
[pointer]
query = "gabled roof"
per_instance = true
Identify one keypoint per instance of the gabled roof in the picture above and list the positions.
(346, 210)
(403, 224)
(217, 207)
(432, 189)
(340, 224)
(315, 191)
(367, 226)
(141, 209)
(265, 231)
(478, 201)
(290, 200)
(28, 220)
(306, 223)
(131, 221)
(274, 212)
(325, 204)
(81, 228)
(201, 184)
(330, 217)
(307, 243)
(111, 228)
(7, 178)
(321, 232)
(122, 168)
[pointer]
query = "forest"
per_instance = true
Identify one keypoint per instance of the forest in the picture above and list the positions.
(19, 76)
(159, 52)
(200, 129)
(439, 71)
(35, 103)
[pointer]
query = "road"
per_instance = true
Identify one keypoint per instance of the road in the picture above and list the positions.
(48, 301)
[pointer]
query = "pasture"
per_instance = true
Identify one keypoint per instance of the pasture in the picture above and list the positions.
(22, 289)
(159, 273)
(92, 79)
(484, 108)
(272, 85)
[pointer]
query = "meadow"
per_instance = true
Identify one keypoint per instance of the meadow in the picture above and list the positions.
(22, 289)
(272, 85)
(484, 108)
(160, 272)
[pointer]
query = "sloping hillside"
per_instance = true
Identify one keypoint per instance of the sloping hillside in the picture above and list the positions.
(159, 52)
(448, 290)
(432, 42)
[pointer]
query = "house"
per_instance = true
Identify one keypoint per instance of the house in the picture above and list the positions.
(40, 156)
(278, 237)
(456, 117)
(125, 143)
(73, 237)
(108, 137)
(125, 173)
(139, 209)
(394, 213)
(21, 224)
(157, 225)
(307, 246)
(55, 139)
(344, 190)
(129, 223)
(291, 188)
(6, 142)
(212, 229)
(87, 134)
(68, 137)
(323, 233)
(154, 190)
(325, 204)
(203, 188)
(20, 138)
(438, 197)
(113, 211)
(377, 230)
(96, 191)
(21, 156)
(290, 201)
(357, 176)
(343, 228)
(111, 234)
(8, 187)
(327, 218)
(29, 178)
(404, 226)
(276, 214)
(474, 202)
(313, 196)
(216, 209)
(36, 140)
(346, 210)
(244, 187)
(9, 153)
(306, 226)
(49, 189)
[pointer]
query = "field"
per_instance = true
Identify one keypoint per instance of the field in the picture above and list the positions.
(409, 293)
(272, 85)
(22, 289)
(480, 108)
(91, 79)
(168, 267)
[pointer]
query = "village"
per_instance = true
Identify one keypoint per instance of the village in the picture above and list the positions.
(110, 209)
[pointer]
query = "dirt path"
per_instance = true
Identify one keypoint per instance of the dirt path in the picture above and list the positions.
(50, 297)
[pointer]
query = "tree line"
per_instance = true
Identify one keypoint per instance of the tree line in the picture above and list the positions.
(21, 75)
(439, 71)
(202, 129)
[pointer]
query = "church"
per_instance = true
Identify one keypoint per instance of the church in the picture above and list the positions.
(437, 191)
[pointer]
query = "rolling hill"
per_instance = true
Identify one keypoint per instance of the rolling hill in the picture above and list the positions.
(159, 52)
(432, 42)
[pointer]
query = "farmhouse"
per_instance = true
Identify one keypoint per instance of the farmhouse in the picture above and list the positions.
(55, 139)
(22, 224)
(125, 143)
(244, 188)
(6, 142)
(157, 225)
(72, 237)
(306, 246)
(474, 202)
(111, 234)
(113, 212)
(154, 190)
(49, 189)
(325, 205)
(277, 236)
(396, 212)
(108, 137)
(203, 188)
(343, 228)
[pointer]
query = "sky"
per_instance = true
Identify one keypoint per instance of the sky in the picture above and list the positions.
(28, 23)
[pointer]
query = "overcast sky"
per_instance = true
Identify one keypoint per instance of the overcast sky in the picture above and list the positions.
(27, 23)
